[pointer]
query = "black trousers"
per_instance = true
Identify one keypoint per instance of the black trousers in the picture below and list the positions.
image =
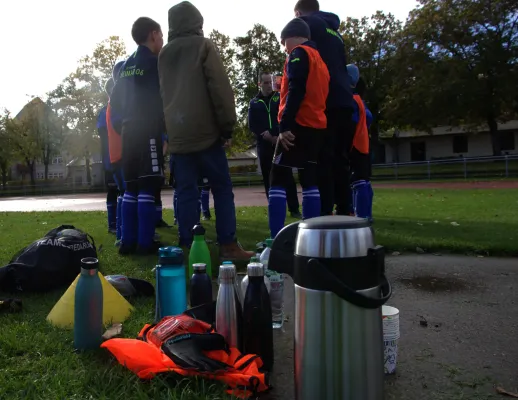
(265, 161)
(333, 164)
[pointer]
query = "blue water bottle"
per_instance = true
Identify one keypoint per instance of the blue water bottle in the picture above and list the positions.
(88, 307)
(171, 295)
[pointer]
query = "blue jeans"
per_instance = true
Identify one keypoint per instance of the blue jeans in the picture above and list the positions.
(188, 168)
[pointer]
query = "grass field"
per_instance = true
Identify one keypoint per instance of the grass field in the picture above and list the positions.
(37, 361)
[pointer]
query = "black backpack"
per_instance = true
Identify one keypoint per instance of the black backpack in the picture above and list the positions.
(49, 263)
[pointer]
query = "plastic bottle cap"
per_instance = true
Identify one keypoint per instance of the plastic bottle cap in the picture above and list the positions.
(170, 255)
(90, 263)
(227, 272)
(269, 243)
(199, 267)
(198, 230)
(227, 263)
(255, 269)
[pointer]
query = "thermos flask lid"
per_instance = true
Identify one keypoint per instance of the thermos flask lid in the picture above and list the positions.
(199, 267)
(89, 263)
(227, 272)
(255, 269)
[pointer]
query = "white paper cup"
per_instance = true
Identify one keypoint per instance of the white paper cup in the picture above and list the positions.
(390, 356)
(390, 337)
(390, 323)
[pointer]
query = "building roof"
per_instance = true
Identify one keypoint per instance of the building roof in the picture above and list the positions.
(451, 130)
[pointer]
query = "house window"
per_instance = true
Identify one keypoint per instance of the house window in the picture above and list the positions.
(507, 140)
(61, 176)
(418, 151)
(57, 160)
(460, 143)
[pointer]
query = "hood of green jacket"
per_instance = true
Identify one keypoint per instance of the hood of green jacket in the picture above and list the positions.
(185, 20)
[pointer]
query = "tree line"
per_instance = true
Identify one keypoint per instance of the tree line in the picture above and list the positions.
(452, 62)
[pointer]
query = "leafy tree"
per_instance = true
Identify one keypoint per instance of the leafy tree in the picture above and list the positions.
(457, 65)
(371, 44)
(24, 137)
(258, 51)
(81, 95)
(227, 52)
(6, 148)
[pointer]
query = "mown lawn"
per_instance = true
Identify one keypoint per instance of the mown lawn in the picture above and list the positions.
(37, 361)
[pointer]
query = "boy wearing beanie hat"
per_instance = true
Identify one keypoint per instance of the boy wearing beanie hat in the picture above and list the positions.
(302, 121)
(360, 150)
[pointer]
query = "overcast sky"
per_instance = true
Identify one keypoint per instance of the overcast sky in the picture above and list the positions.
(43, 40)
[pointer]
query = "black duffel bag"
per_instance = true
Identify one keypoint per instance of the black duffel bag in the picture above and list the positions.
(49, 263)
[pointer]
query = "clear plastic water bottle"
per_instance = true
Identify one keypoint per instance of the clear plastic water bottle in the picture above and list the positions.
(276, 287)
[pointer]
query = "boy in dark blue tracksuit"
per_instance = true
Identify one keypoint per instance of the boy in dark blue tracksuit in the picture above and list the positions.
(333, 163)
(109, 181)
(136, 98)
(262, 121)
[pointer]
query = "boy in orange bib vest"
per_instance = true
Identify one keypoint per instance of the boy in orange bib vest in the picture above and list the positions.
(302, 122)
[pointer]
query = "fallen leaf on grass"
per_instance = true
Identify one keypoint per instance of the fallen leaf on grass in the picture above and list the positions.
(113, 331)
(500, 390)
(455, 224)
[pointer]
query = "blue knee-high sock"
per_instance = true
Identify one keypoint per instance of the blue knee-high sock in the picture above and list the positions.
(205, 201)
(276, 209)
(361, 199)
(158, 210)
(111, 207)
(310, 202)
(129, 231)
(175, 204)
(146, 219)
(119, 217)
(371, 197)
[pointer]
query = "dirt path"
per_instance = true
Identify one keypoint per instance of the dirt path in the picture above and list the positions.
(467, 344)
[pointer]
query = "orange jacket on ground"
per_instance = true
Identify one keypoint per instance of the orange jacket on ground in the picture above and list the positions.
(311, 112)
(145, 358)
(114, 138)
(361, 134)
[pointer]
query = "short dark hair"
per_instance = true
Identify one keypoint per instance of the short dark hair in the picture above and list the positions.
(307, 6)
(262, 73)
(141, 29)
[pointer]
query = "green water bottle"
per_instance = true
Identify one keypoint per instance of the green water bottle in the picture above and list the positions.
(199, 253)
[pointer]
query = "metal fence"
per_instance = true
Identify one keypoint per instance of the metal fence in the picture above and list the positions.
(457, 168)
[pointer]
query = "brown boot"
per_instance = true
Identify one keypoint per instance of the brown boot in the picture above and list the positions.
(234, 251)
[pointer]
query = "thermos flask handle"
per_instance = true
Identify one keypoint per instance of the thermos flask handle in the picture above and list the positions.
(345, 292)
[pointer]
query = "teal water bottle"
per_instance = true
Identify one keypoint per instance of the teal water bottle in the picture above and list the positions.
(171, 293)
(88, 307)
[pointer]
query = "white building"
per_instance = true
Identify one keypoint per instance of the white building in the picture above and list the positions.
(448, 142)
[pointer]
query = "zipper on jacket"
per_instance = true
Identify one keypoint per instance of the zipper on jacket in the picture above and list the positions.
(268, 108)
